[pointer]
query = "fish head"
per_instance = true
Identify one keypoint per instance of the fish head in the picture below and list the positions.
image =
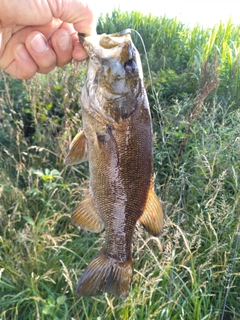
(114, 82)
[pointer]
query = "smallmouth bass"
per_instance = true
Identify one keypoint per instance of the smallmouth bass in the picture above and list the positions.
(117, 141)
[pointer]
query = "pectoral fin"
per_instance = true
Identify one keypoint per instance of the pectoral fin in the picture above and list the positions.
(86, 216)
(77, 150)
(152, 217)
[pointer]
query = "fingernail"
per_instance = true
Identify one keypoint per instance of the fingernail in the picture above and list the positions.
(64, 42)
(22, 52)
(39, 43)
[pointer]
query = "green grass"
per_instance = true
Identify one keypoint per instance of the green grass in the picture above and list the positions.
(184, 273)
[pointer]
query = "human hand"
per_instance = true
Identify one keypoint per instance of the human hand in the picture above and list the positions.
(36, 36)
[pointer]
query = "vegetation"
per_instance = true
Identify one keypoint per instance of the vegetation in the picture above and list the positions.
(191, 271)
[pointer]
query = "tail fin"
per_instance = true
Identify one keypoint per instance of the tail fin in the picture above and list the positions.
(105, 274)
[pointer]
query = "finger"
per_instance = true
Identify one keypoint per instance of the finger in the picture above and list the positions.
(62, 45)
(79, 52)
(23, 66)
(41, 52)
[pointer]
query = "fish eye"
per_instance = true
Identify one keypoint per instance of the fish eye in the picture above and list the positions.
(130, 66)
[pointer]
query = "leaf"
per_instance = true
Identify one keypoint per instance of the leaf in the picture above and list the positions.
(29, 220)
(48, 309)
(47, 172)
(49, 106)
(37, 172)
(61, 300)
(55, 173)
(33, 192)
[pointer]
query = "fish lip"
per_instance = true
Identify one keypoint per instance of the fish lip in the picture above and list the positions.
(82, 36)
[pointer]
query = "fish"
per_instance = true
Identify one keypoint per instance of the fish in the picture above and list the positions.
(117, 142)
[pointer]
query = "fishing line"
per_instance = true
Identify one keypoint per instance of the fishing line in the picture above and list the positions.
(155, 96)
(148, 67)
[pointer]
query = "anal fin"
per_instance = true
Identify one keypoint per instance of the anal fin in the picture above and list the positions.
(77, 150)
(152, 217)
(86, 216)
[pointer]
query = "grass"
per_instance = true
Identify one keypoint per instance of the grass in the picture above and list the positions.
(192, 269)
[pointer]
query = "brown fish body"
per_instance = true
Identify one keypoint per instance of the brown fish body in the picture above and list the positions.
(117, 135)
(120, 175)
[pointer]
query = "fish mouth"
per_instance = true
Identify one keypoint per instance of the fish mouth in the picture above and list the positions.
(96, 45)
(82, 36)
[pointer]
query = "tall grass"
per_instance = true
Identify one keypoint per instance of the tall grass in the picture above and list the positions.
(193, 267)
